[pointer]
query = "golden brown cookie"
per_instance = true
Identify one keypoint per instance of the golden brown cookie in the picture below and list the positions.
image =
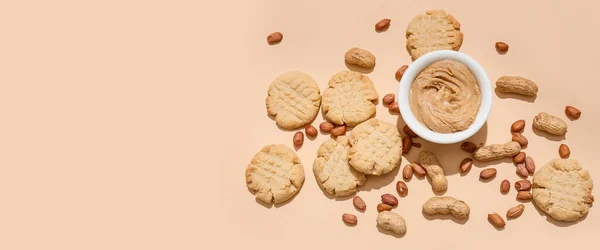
(435, 30)
(349, 98)
(563, 189)
(275, 174)
(294, 99)
(376, 147)
(332, 170)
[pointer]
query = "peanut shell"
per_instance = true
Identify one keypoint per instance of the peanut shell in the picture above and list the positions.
(360, 57)
(516, 85)
(497, 151)
(550, 124)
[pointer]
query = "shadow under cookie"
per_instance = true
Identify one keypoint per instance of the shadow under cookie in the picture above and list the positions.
(333, 197)
(271, 205)
(379, 181)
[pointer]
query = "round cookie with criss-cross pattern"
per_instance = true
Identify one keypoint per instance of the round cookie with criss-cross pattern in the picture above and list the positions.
(332, 170)
(275, 174)
(376, 147)
(434, 30)
(349, 98)
(563, 189)
(293, 99)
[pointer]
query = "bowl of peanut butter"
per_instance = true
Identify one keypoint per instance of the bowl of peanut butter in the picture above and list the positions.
(445, 96)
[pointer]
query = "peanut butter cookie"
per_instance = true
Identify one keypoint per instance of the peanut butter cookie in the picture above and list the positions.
(376, 147)
(563, 189)
(294, 99)
(435, 30)
(349, 98)
(332, 170)
(275, 174)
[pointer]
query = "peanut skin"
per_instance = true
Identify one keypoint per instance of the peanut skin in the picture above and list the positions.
(496, 220)
(360, 57)
(274, 38)
(391, 221)
(501, 47)
(497, 151)
(572, 112)
(515, 211)
(516, 85)
(407, 172)
(549, 124)
(383, 24)
(431, 165)
(418, 169)
(446, 205)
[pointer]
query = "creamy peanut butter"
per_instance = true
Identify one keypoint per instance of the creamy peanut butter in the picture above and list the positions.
(445, 97)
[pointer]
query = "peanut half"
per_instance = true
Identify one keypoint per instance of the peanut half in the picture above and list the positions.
(523, 185)
(524, 195)
(350, 219)
(389, 199)
(310, 131)
(326, 126)
(418, 169)
(496, 220)
(401, 188)
(522, 170)
(521, 139)
(530, 165)
(501, 47)
(517, 126)
(359, 203)
(391, 221)
(383, 207)
(360, 57)
(407, 172)
(518, 158)
(383, 24)
(572, 112)
(400, 72)
(549, 124)
(564, 151)
(274, 38)
(388, 99)
(497, 151)
(435, 172)
(515, 211)
(516, 85)
(505, 186)
(339, 130)
(446, 205)
(488, 173)
(298, 139)
(465, 165)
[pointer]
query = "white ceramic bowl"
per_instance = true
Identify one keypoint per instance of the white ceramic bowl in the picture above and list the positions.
(404, 96)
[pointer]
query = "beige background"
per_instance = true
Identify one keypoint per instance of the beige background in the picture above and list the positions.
(128, 124)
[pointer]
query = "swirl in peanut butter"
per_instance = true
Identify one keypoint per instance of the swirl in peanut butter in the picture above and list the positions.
(445, 97)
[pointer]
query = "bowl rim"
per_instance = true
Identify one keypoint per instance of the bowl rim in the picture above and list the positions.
(421, 63)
